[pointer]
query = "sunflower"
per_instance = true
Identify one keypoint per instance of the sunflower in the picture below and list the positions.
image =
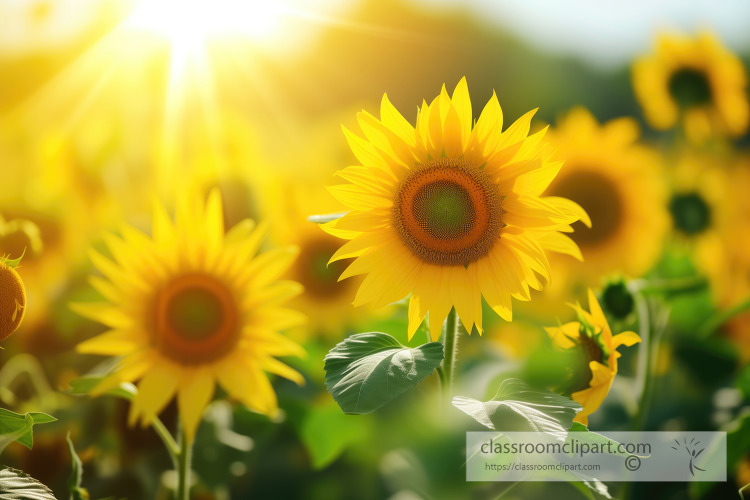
(725, 256)
(597, 347)
(193, 307)
(12, 298)
(449, 212)
(702, 212)
(618, 183)
(696, 79)
(326, 301)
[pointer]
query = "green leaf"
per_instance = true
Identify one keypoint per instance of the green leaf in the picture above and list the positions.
(15, 485)
(17, 427)
(516, 407)
(583, 435)
(745, 492)
(367, 370)
(76, 474)
(83, 386)
(326, 433)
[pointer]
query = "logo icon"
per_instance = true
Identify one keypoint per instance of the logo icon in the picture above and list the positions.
(692, 450)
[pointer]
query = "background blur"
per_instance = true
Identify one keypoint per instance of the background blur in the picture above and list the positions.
(106, 105)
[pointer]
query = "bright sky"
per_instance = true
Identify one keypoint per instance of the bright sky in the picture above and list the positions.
(608, 32)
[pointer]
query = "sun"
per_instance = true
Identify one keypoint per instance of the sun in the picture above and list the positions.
(193, 22)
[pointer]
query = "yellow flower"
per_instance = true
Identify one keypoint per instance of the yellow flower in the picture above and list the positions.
(617, 182)
(696, 79)
(592, 336)
(193, 307)
(703, 212)
(725, 256)
(449, 212)
(12, 300)
(326, 301)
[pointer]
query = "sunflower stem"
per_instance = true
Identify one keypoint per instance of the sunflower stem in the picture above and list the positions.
(645, 360)
(166, 437)
(450, 339)
(716, 321)
(183, 467)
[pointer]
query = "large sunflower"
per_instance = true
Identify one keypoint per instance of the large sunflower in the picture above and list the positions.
(696, 79)
(450, 212)
(192, 307)
(617, 182)
(592, 337)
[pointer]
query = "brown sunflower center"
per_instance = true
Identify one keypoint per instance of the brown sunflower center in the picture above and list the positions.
(12, 300)
(319, 279)
(599, 196)
(195, 319)
(448, 212)
(690, 87)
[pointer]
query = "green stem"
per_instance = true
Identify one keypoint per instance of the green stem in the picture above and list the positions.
(172, 447)
(672, 285)
(645, 361)
(448, 366)
(183, 468)
(722, 317)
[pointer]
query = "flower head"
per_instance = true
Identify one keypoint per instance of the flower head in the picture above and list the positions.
(618, 182)
(12, 298)
(694, 79)
(192, 307)
(592, 337)
(450, 211)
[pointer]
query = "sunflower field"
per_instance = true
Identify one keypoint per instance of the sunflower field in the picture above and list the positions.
(312, 249)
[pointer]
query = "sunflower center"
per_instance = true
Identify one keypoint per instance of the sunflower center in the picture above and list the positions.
(690, 87)
(195, 318)
(599, 196)
(690, 213)
(588, 350)
(447, 212)
(313, 272)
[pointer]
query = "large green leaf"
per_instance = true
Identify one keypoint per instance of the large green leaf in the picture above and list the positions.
(15, 485)
(17, 427)
(516, 407)
(367, 370)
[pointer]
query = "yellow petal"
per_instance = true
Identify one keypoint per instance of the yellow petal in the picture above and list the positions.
(194, 394)
(155, 390)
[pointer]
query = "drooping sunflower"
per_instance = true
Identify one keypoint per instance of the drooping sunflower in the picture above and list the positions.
(695, 79)
(617, 181)
(450, 212)
(592, 337)
(192, 307)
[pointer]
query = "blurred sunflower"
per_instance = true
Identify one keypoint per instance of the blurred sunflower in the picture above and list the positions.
(12, 298)
(702, 212)
(618, 183)
(192, 307)
(729, 265)
(326, 301)
(592, 338)
(696, 79)
(450, 212)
